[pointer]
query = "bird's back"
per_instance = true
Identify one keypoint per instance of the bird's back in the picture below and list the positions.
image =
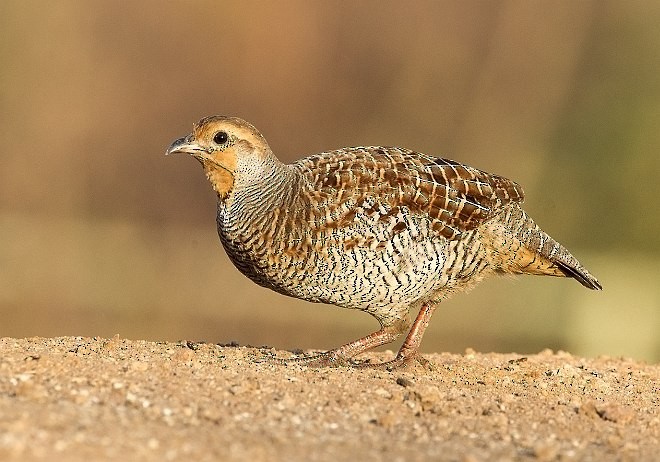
(453, 196)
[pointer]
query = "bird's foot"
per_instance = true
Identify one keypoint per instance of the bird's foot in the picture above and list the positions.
(335, 358)
(418, 360)
(332, 358)
(399, 362)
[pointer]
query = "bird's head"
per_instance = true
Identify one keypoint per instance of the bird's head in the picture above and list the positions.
(227, 147)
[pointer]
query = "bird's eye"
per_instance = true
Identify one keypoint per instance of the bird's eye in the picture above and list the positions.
(220, 138)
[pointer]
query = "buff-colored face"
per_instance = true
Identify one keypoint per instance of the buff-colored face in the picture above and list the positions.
(219, 143)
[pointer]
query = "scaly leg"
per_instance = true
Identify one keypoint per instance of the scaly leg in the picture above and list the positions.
(343, 356)
(410, 348)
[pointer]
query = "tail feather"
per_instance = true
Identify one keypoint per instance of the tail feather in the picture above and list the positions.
(581, 275)
(544, 255)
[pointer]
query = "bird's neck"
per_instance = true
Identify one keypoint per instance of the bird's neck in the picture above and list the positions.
(252, 215)
(256, 196)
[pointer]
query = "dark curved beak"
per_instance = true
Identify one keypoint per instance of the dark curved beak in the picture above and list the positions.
(184, 145)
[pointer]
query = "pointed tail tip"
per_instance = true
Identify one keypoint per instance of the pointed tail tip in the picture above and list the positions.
(581, 275)
(592, 284)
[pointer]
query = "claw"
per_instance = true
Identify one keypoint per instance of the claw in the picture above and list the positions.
(328, 359)
(333, 359)
(343, 356)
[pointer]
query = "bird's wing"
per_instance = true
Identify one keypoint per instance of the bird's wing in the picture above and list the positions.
(455, 197)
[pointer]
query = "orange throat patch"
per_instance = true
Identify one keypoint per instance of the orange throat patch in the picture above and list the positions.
(221, 179)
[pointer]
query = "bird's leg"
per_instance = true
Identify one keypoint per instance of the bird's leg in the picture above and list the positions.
(410, 348)
(343, 355)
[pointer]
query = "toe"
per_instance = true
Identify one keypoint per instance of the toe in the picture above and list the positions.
(328, 359)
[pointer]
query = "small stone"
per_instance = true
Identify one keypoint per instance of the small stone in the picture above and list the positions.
(546, 451)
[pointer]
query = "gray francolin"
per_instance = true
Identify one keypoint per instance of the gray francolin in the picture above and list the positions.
(385, 230)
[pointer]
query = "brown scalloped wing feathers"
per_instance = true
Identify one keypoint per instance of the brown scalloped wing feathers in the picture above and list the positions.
(455, 197)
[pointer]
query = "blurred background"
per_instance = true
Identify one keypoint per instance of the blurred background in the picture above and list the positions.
(100, 234)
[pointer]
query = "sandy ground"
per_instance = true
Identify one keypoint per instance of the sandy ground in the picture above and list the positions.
(114, 399)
